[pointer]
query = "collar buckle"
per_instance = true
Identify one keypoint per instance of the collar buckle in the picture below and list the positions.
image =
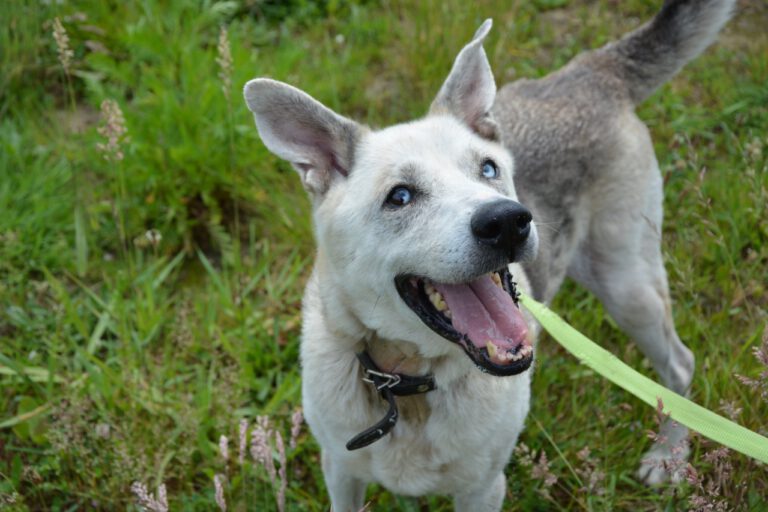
(390, 380)
(387, 385)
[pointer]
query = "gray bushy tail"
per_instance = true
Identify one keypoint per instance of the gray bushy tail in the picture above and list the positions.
(652, 54)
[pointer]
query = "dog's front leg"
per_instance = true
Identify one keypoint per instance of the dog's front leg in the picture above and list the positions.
(487, 499)
(347, 492)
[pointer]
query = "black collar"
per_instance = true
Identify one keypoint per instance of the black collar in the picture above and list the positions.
(388, 385)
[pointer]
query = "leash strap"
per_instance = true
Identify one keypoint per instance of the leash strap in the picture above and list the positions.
(679, 409)
(388, 385)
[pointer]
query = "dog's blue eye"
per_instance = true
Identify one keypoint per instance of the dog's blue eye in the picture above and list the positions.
(490, 170)
(399, 196)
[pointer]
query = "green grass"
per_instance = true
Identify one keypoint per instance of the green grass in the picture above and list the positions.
(121, 360)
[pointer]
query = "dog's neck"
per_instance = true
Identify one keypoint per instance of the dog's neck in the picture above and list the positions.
(397, 356)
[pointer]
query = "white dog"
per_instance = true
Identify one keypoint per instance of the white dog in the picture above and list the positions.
(416, 358)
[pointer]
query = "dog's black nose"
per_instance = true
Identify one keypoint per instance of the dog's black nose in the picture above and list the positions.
(503, 225)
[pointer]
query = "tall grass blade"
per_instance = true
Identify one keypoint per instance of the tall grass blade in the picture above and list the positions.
(81, 241)
(24, 416)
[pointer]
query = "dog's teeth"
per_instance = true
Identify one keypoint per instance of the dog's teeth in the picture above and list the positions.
(496, 279)
(436, 298)
(491, 348)
(448, 313)
(507, 355)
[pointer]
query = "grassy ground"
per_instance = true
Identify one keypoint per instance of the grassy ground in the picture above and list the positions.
(150, 303)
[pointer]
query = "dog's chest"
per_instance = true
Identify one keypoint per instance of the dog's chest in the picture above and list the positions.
(451, 439)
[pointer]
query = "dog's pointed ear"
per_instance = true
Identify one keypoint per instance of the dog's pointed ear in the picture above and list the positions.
(294, 126)
(470, 89)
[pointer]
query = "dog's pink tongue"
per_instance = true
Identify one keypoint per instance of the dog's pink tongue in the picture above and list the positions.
(485, 312)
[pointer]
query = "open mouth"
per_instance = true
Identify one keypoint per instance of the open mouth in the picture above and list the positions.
(481, 315)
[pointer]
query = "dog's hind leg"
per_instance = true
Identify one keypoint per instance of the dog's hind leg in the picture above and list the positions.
(621, 263)
(488, 499)
(347, 492)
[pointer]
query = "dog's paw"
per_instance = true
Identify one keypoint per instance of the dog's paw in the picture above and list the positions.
(663, 464)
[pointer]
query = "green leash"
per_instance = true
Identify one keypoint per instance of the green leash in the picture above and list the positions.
(680, 409)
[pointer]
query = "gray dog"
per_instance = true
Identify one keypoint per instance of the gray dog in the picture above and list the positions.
(416, 357)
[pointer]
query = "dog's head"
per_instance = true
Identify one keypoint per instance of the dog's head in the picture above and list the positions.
(416, 224)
